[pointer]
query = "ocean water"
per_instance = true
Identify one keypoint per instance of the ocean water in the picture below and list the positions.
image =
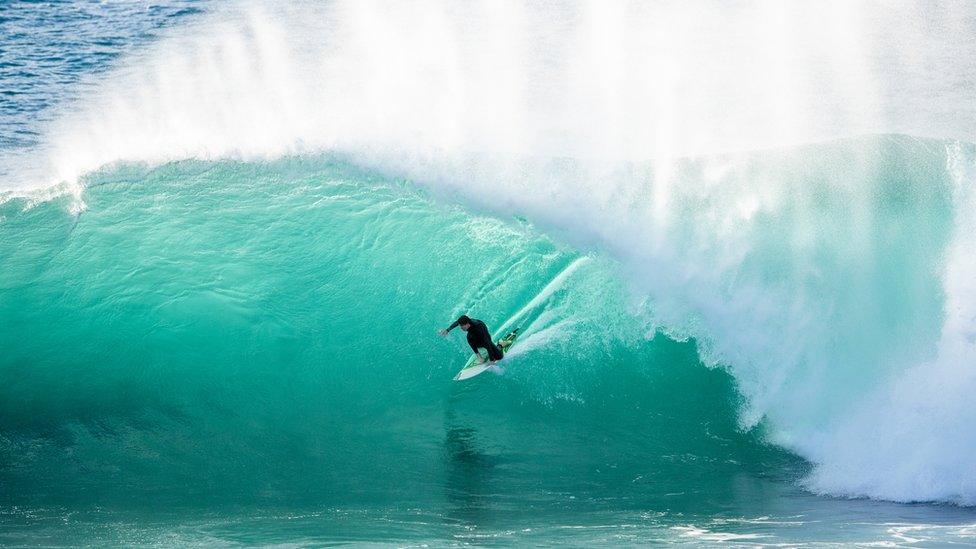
(739, 241)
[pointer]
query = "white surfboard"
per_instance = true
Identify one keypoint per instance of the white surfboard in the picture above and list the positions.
(470, 371)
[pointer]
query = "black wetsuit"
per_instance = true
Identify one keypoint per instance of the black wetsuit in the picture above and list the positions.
(479, 337)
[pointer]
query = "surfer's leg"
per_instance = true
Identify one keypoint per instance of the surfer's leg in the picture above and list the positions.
(494, 353)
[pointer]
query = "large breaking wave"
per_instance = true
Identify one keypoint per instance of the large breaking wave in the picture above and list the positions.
(795, 195)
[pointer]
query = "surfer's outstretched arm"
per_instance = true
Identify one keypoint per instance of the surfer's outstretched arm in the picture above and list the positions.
(449, 328)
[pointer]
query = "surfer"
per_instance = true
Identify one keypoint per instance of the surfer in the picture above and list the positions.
(478, 337)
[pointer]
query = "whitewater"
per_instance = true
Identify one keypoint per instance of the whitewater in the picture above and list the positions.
(739, 240)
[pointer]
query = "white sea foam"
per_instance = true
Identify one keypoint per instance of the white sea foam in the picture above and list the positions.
(912, 438)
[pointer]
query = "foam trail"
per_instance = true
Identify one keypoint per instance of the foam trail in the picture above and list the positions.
(543, 294)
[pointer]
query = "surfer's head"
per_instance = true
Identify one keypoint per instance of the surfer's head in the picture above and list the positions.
(464, 322)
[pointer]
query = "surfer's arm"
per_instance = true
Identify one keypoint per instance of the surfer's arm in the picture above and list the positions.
(474, 347)
(449, 328)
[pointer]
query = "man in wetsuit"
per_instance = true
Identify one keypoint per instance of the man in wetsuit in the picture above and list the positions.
(478, 337)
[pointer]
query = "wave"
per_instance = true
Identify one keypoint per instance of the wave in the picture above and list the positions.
(827, 273)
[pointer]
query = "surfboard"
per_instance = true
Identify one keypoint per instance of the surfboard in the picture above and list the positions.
(473, 367)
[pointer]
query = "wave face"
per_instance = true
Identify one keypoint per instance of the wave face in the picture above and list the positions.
(255, 341)
(792, 201)
(267, 331)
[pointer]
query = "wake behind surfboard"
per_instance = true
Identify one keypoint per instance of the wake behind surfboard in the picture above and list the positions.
(473, 367)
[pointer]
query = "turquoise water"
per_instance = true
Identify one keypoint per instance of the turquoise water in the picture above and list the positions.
(247, 353)
(741, 256)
